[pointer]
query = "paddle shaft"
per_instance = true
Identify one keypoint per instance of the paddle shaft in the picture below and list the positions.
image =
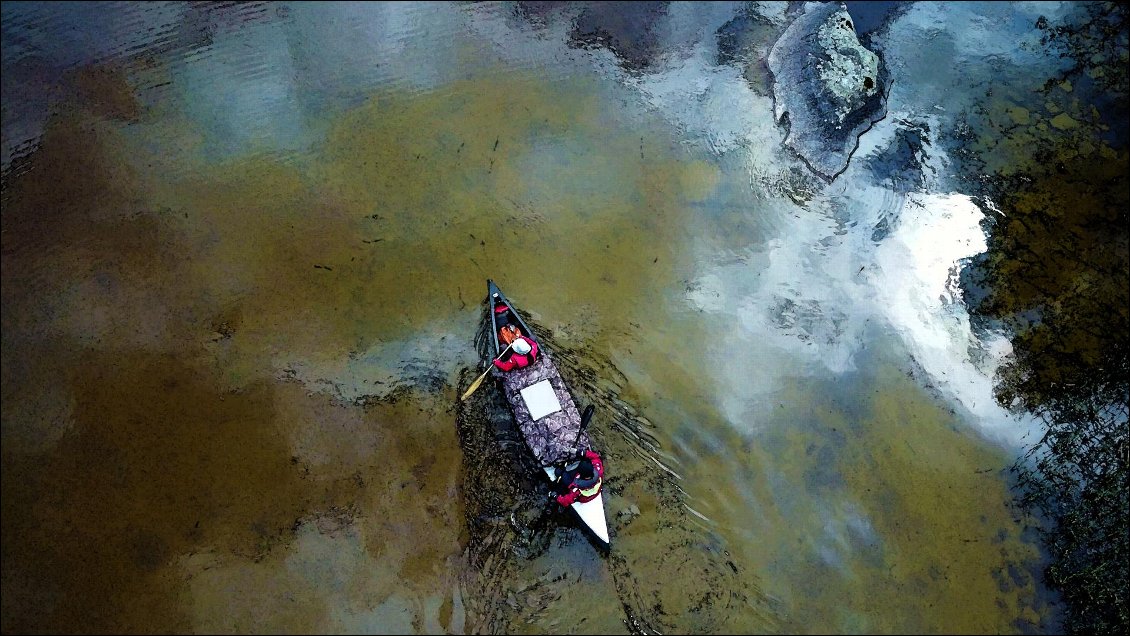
(479, 380)
(585, 417)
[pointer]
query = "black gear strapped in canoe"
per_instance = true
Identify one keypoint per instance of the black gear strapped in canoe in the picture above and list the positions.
(585, 417)
(588, 476)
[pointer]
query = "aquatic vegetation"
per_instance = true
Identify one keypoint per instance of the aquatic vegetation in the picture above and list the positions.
(1056, 274)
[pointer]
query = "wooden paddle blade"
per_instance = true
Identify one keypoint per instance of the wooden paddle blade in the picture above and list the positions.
(474, 386)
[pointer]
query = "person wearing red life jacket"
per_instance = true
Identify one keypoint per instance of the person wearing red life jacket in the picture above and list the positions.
(523, 350)
(581, 480)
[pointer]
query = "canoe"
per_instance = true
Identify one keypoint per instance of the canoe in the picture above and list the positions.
(544, 411)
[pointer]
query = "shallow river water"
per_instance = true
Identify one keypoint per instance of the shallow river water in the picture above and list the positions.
(245, 252)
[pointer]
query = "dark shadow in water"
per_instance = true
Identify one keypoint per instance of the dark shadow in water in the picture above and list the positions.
(670, 571)
(630, 30)
(158, 465)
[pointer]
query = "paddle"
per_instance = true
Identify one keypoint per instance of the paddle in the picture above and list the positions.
(475, 385)
(585, 417)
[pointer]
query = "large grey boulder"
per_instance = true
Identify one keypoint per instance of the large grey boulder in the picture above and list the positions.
(829, 86)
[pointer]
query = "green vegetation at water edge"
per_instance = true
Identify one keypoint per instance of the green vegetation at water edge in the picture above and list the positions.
(1056, 274)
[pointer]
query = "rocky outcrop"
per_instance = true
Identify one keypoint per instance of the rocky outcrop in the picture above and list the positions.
(827, 87)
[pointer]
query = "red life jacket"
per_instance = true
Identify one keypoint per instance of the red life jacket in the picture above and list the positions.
(517, 360)
(580, 489)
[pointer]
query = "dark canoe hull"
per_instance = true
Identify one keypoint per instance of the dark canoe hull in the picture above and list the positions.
(552, 437)
(544, 410)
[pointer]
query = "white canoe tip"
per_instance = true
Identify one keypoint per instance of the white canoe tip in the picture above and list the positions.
(592, 514)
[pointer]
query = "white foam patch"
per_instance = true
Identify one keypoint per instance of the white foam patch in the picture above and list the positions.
(806, 297)
(917, 286)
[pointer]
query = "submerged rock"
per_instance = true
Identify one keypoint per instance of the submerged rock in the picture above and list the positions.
(829, 86)
(627, 29)
(745, 41)
(630, 30)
